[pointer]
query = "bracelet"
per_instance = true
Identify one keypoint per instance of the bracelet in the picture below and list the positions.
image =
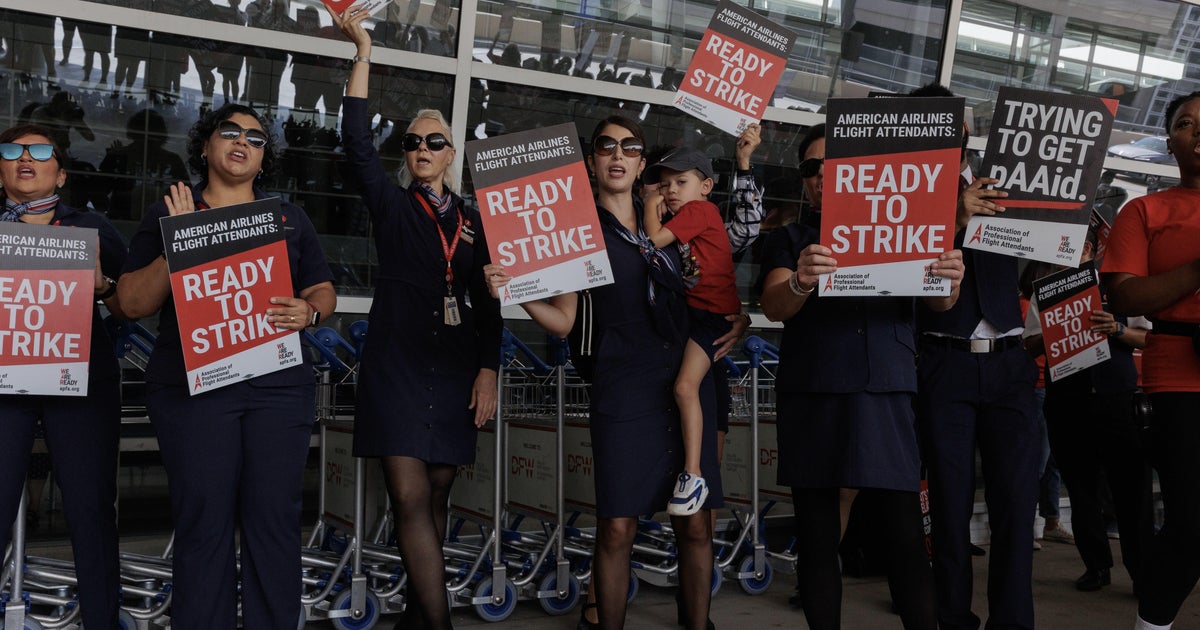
(361, 58)
(794, 285)
(109, 292)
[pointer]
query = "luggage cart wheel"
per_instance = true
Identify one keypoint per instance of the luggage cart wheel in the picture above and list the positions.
(495, 612)
(369, 616)
(30, 624)
(633, 587)
(717, 578)
(559, 605)
(753, 585)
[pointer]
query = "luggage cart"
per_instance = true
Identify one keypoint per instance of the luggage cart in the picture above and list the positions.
(535, 400)
(744, 557)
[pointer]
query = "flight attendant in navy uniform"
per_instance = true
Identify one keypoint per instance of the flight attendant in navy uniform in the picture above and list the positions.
(234, 455)
(640, 329)
(846, 383)
(82, 433)
(430, 363)
(975, 389)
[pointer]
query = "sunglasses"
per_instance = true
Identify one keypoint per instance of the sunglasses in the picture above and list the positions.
(434, 142)
(39, 152)
(810, 167)
(604, 146)
(230, 130)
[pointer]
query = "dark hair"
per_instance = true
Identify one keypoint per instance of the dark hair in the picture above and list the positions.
(620, 121)
(932, 89)
(204, 128)
(1173, 109)
(13, 133)
(814, 133)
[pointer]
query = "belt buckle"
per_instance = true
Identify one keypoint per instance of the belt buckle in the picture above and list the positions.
(981, 345)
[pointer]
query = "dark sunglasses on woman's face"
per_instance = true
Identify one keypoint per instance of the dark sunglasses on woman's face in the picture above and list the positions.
(39, 152)
(630, 147)
(434, 142)
(810, 167)
(230, 130)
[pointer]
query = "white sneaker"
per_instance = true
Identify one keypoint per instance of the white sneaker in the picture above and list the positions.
(1059, 534)
(690, 493)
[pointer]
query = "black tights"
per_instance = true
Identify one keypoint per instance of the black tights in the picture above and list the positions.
(420, 494)
(610, 575)
(818, 530)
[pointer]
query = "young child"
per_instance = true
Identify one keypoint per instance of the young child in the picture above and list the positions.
(677, 189)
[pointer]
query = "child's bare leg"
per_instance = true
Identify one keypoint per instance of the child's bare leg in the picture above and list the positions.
(692, 371)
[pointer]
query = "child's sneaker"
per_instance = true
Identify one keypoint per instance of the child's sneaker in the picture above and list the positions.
(690, 493)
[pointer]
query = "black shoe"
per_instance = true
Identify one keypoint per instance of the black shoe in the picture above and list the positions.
(584, 624)
(795, 602)
(977, 551)
(1093, 580)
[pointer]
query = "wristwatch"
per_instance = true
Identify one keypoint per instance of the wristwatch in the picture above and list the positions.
(112, 288)
(316, 316)
(1119, 331)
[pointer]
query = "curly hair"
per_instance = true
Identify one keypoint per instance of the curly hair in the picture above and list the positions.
(204, 128)
(14, 133)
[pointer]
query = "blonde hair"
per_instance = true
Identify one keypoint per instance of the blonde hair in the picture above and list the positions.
(450, 177)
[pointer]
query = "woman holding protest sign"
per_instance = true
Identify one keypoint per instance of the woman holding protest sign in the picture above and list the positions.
(637, 326)
(1151, 269)
(430, 364)
(81, 432)
(842, 425)
(234, 455)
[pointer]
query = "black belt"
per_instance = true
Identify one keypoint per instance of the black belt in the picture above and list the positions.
(977, 346)
(1178, 329)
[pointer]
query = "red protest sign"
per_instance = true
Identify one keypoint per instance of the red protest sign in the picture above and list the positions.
(890, 193)
(226, 264)
(1065, 301)
(47, 277)
(538, 212)
(340, 6)
(734, 71)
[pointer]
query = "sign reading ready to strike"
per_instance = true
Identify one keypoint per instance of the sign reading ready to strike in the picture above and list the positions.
(735, 69)
(889, 194)
(1047, 150)
(47, 288)
(226, 264)
(538, 212)
(1065, 301)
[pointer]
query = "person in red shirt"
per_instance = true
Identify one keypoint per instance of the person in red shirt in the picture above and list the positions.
(1152, 268)
(677, 190)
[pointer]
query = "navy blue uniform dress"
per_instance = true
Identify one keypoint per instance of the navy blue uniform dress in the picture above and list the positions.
(417, 371)
(636, 440)
(82, 434)
(234, 456)
(845, 386)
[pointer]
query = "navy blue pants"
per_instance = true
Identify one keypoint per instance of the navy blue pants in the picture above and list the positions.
(966, 400)
(83, 437)
(234, 456)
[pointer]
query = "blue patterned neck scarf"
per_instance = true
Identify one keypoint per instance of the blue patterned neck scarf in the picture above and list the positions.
(13, 211)
(441, 204)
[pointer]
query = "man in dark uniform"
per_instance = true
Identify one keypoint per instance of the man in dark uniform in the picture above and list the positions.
(975, 388)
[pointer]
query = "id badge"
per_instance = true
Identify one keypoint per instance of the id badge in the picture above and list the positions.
(450, 307)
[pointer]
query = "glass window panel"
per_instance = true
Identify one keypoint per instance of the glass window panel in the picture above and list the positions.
(841, 48)
(122, 104)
